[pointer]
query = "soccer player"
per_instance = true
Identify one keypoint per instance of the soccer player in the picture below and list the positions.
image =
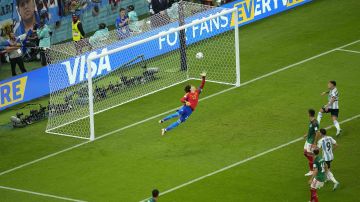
(310, 140)
(332, 106)
(190, 101)
(155, 196)
(328, 144)
(318, 177)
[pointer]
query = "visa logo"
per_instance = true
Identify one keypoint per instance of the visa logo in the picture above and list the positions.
(12, 92)
(76, 69)
(245, 11)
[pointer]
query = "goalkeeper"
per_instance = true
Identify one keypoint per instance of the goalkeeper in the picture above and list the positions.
(190, 100)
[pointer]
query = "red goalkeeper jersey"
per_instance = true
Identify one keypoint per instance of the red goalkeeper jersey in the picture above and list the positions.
(193, 98)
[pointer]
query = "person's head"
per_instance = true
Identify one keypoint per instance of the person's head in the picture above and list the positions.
(332, 84)
(130, 8)
(26, 10)
(189, 89)
(311, 113)
(75, 17)
(102, 26)
(323, 131)
(316, 151)
(12, 36)
(122, 12)
(41, 24)
(155, 193)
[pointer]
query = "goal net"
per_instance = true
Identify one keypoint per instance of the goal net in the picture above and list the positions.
(127, 64)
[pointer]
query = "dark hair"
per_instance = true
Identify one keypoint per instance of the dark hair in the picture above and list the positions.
(122, 9)
(316, 151)
(187, 88)
(102, 26)
(323, 131)
(155, 193)
(131, 7)
(333, 82)
(311, 112)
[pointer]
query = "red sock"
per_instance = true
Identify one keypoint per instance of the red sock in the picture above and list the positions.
(310, 159)
(314, 197)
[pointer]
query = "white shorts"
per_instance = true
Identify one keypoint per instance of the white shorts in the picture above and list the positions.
(308, 147)
(315, 184)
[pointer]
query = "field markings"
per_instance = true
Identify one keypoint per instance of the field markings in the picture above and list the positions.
(169, 111)
(347, 50)
(244, 160)
(164, 113)
(41, 194)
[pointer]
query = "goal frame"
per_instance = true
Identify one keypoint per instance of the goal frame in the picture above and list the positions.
(161, 34)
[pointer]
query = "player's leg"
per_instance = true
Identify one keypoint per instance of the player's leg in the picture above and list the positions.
(171, 116)
(309, 157)
(315, 184)
(330, 175)
(319, 116)
(334, 116)
(184, 115)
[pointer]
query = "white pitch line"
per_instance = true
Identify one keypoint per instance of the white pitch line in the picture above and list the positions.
(244, 161)
(347, 50)
(156, 116)
(41, 194)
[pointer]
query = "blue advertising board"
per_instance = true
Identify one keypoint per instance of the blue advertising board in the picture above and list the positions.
(35, 84)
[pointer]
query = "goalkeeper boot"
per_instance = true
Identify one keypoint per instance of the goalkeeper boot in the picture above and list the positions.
(163, 131)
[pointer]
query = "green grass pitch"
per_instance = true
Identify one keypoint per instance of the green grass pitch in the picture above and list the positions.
(225, 129)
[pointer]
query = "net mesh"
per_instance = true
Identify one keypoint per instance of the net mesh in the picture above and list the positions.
(141, 69)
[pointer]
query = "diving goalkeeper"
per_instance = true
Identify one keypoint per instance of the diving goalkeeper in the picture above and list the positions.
(190, 101)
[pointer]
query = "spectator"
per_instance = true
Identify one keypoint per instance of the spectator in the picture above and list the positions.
(121, 24)
(43, 33)
(159, 6)
(15, 54)
(160, 16)
(28, 16)
(99, 36)
(134, 20)
(77, 33)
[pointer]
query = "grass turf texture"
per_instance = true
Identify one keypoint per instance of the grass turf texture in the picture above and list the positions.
(223, 130)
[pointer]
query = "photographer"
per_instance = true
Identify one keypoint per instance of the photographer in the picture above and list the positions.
(15, 54)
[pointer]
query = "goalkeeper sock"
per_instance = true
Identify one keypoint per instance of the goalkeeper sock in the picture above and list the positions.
(173, 125)
(319, 117)
(174, 115)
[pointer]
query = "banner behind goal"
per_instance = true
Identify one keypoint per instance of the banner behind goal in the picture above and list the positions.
(161, 56)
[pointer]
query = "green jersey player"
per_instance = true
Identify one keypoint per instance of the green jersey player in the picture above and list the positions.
(155, 196)
(318, 178)
(310, 140)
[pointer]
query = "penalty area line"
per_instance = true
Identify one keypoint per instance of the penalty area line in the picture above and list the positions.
(244, 160)
(161, 114)
(40, 194)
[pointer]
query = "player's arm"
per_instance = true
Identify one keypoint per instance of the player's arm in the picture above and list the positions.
(325, 92)
(184, 99)
(315, 171)
(335, 145)
(203, 76)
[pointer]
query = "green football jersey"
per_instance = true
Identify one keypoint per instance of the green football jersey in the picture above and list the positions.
(151, 200)
(313, 127)
(319, 163)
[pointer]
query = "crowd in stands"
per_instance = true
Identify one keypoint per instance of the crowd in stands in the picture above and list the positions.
(35, 43)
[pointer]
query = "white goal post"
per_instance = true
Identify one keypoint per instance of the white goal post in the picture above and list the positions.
(137, 74)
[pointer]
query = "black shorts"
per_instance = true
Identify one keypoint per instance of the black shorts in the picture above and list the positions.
(328, 163)
(333, 112)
